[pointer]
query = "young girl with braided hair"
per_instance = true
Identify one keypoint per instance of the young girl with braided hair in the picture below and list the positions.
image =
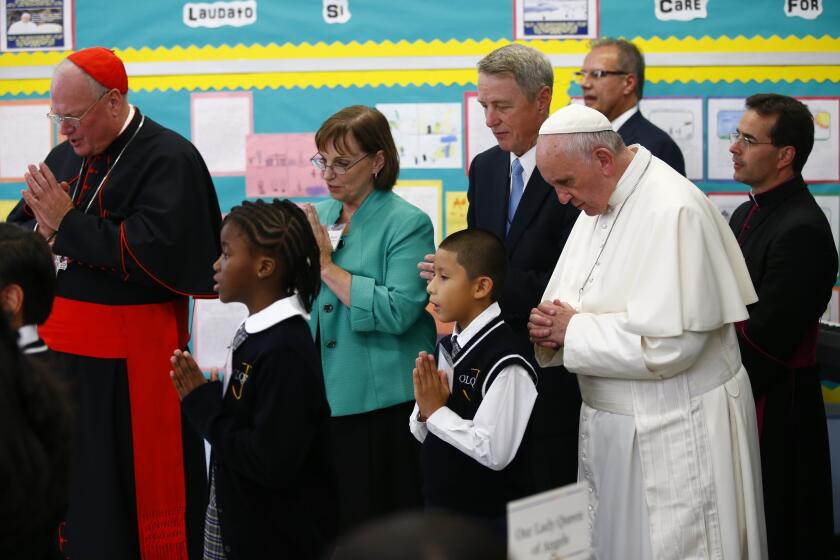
(271, 491)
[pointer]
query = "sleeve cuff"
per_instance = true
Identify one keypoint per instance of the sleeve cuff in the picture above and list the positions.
(361, 303)
(440, 419)
(202, 406)
(65, 231)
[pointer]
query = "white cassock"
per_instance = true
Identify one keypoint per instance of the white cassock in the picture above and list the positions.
(668, 436)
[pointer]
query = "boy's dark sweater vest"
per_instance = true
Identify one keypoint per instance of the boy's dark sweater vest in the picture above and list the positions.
(453, 480)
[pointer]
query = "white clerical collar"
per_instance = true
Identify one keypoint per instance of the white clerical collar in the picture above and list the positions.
(476, 324)
(624, 117)
(127, 119)
(27, 334)
(631, 176)
(528, 161)
(280, 310)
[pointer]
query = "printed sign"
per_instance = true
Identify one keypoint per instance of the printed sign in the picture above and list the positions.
(336, 11)
(806, 9)
(219, 14)
(680, 10)
(551, 525)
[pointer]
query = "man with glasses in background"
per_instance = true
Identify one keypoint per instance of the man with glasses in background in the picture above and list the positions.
(792, 260)
(612, 80)
(132, 217)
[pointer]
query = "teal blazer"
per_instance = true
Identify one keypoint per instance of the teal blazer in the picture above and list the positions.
(368, 349)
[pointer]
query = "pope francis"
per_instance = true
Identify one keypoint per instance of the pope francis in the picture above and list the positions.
(641, 307)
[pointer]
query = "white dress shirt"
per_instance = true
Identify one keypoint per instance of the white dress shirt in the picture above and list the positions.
(493, 436)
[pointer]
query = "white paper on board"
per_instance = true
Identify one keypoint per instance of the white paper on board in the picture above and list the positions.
(824, 162)
(214, 324)
(426, 198)
(479, 136)
(830, 205)
(682, 119)
(427, 135)
(25, 137)
(724, 114)
(221, 123)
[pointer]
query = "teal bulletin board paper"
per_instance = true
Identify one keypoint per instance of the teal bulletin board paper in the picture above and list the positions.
(155, 23)
(725, 18)
(159, 23)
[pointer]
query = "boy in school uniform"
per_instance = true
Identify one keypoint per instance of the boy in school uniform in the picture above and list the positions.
(272, 491)
(474, 402)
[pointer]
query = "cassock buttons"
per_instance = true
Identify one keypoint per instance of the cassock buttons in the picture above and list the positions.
(331, 344)
(328, 308)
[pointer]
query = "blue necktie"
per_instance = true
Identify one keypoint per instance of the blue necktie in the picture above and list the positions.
(517, 186)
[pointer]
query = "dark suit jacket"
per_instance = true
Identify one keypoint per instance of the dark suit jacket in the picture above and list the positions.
(539, 230)
(790, 253)
(639, 130)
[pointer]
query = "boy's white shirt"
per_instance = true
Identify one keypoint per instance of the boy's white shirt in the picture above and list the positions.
(493, 436)
(280, 310)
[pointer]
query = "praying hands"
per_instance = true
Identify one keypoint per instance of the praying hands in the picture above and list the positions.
(548, 322)
(47, 198)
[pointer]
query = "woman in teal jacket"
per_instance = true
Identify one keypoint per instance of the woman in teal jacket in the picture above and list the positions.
(369, 320)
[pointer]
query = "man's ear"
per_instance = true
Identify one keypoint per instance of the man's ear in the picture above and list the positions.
(544, 99)
(11, 299)
(482, 287)
(786, 157)
(605, 159)
(631, 81)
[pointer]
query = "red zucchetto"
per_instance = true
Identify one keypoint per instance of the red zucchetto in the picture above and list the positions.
(103, 66)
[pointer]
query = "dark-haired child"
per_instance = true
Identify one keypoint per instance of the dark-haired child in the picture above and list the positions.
(272, 489)
(37, 451)
(27, 287)
(473, 413)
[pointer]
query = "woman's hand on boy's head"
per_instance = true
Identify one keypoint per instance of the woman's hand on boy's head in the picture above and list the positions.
(431, 386)
(186, 375)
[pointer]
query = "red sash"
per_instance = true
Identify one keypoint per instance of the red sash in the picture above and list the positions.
(145, 336)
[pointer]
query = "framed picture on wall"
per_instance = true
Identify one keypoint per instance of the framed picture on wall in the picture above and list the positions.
(555, 19)
(46, 25)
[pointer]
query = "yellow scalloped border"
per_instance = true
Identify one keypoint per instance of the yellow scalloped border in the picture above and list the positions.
(468, 47)
(436, 48)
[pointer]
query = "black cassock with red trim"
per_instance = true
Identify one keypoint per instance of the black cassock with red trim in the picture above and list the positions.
(144, 236)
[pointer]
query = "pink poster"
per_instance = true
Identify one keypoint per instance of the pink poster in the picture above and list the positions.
(278, 165)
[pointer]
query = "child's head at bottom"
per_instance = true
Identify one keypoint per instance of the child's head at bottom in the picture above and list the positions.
(27, 276)
(268, 253)
(470, 270)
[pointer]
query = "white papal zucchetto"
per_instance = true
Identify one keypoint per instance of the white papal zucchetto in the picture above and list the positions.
(573, 119)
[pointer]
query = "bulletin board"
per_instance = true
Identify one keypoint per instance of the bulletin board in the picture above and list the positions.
(250, 86)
